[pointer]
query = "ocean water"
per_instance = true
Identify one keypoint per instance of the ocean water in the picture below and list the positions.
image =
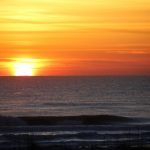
(71, 96)
(75, 112)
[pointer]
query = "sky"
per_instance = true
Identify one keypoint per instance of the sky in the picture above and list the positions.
(75, 37)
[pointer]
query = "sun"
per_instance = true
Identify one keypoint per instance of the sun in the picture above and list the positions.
(24, 67)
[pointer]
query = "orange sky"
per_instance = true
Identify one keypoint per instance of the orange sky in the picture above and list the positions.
(76, 37)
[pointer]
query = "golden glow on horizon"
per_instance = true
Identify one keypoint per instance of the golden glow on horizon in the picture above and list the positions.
(84, 37)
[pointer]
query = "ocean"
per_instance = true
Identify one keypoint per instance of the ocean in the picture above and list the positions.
(74, 112)
(71, 96)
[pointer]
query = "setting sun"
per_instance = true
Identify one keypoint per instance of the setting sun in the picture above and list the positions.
(23, 69)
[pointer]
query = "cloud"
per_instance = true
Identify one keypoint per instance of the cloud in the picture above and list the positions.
(134, 31)
(6, 60)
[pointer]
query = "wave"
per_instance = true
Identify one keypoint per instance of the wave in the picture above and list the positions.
(67, 120)
(75, 120)
(11, 121)
(104, 130)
